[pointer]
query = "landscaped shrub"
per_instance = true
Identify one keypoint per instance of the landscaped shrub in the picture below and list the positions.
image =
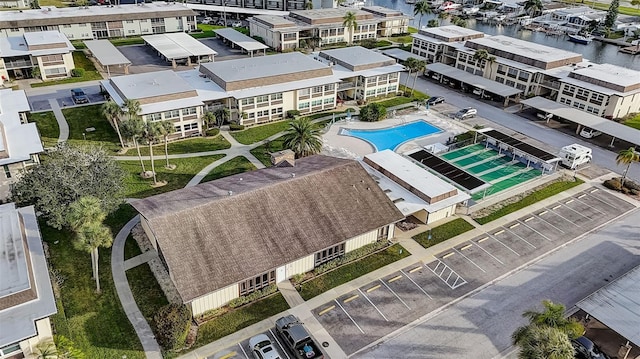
(172, 324)
(373, 112)
(252, 297)
(77, 72)
(212, 132)
(613, 184)
(350, 257)
(291, 114)
(236, 127)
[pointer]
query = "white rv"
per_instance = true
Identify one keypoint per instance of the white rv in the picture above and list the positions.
(574, 155)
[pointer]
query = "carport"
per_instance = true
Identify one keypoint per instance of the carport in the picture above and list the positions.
(180, 46)
(616, 306)
(402, 55)
(611, 128)
(236, 38)
(108, 55)
(441, 71)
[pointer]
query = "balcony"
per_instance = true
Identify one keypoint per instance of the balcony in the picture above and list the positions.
(552, 85)
(17, 64)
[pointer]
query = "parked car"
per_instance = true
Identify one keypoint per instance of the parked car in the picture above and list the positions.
(587, 132)
(465, 113)
(236, 24)
(297, 339)
(262, 347)
(207, 20)
(586, 349)
(221, 23)
(79, 96)
(435, 100)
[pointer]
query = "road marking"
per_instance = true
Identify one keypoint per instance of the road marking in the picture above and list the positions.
(466, 247)
(345, 312)
(582, 195)
(472, 262)
(230, 355)
(529, 219)
(605, 202)
(447, 255)
(350, 298)
(370, 302)
(542, 213)
(535, 230)
(524, 240)
(491, 255)
(452, 272)
(499, 232)
(243, 352)
(514, 225)
(419, 287)
(327, 310)
(580, 214)
(506, 246)
(395, 278)
(482, 239)
(569, 201)
(591, 206)
(556, 207)
(394, 293)
(415, 269)
(566, 219)
(373, 288)
(279, 344)
(594, 190)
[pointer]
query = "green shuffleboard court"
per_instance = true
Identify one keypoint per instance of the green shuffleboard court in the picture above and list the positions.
(462, 151)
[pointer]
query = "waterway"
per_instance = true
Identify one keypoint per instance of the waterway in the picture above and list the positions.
(596, 51)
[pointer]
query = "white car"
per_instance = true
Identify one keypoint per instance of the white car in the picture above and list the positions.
(236, 24)
(207, 20)
(587, 132)
(262, 347)
(466, 113)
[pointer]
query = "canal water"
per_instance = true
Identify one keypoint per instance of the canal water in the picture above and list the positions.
(596, 51)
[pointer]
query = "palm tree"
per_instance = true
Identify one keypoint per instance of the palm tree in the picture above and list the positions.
(222, 114)
(545, 342)
(166, 129)
(410, 64)
(316, 40)
(480, 55)
(552, 316)
(419, 66)
(627, 157)
(133, 128)
(112, 112)
(443, 15)
(308, 5)
(349, 22)
(421, 8)
(86, 219)
(533, 7)
(132, 108)
(45, 350)
(636, 3)
(151, 132)
(303, 137)
(208, 119)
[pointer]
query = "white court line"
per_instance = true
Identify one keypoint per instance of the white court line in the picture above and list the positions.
(394, 293)
(491, 255)
(279, 344)
(551, 224)
(561, 216)
(590, 206)
(472, 262)
(535, 230)
(243, 352)
(412, 281)
(345, 312)
(524, 240)
(506, 246)
(370, 302)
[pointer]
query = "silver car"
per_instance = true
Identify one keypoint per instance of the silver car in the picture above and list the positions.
(262, 347)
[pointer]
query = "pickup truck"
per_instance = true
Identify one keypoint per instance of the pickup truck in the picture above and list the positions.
(297, 339)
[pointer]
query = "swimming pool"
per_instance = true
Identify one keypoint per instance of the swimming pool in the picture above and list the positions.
(391, 137)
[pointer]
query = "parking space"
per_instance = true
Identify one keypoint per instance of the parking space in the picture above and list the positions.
(243, 351)
(63, 98)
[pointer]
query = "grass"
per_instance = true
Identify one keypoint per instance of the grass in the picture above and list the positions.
(633, 122)
(207, 31)
(625, 10)
(395, 101)
(413, 30)
(96, 323)
(234, 166)
(443, 232)
(262, 152)
(539, 195)
(403, 39)
(240, 318)
(186, 168)
(82, 62)
(131, 248)
(47, 126)
(417, 95)
(191, 145)
(81, 118)
(146, 291)
(260, 132)
(351, 271)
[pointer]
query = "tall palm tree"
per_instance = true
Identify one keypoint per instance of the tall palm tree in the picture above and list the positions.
(222, 114)
(308, 5)
(151, 133)
(533, 7)
(410, 64)
(86, 218)
(133, 128)
(132, 108)
(480, 55)
(303, 137)
(112, 112)
(627, 157)
(552, 316)
(419, 66)
(349, 22)
(208, 119)
(443, 15)
(166, 129)
(545, 342)
(421, 8)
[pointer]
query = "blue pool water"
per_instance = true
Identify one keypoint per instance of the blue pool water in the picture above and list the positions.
(391, 137)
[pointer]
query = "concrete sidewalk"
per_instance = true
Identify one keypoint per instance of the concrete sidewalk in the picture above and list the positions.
(62, 122)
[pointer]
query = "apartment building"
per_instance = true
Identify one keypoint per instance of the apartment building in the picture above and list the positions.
(435, 43)
(18, 4)
(100, 22)
(19, 141)
(44, 54)
(321, 27)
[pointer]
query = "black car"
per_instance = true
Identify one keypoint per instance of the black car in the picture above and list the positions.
(586, 349)
(79, 96)
(435, 100)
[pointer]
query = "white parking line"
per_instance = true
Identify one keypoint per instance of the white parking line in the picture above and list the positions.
(586, 204)
(506, 246)
(275, 337)
(451, 272)
(472, 262)
(491, 255)
(580, 214)
(535, 230)
(551, 224)
(394, 293)
(243, 352)
(561, 216)
(605, 202)
(370, 302)
(345, 312)
(412, 281)
(524, 240)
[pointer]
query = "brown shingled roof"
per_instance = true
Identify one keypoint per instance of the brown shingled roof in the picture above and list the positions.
(221, 232)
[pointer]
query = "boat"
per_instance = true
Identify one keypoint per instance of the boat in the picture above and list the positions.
(410, 1)
(580, 39)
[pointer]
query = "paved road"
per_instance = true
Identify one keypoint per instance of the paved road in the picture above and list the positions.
(541, 133)
(480, 326)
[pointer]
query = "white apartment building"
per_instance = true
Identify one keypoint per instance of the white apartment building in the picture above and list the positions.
(100, 22)
(433, 43)
(19, 141)
(19, 4)
(48, 51)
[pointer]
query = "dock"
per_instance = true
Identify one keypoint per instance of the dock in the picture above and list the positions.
(632, 50)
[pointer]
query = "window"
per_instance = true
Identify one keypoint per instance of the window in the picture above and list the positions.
(275, 111)
(568, 90)
(56, 71)
(565, 101)
(303, 92)
(303, 105)
(521, 87)
(258, 282)
(523, 76)
(10, 349)
(189, 111)
(247, 101)
(129, 21)
(383, 232)
(582, 94)
(263, 98)
(381, 90)
(502, 69)
(329, 100)
(328, 87)
(329, 254)
(316, 102)
(7, 172)
(512, 73)
(596, 99)
(262, 113)
(593, 110)
(392, 88)
(172, 114)
(371, 92)
(510, 83)
(66, 26)
(500, 80)
(276, 96)
(191, 126)
(317, 89)
(252, 115)
(154, 117)
(131, 31)
(178, 128)
(578, 105)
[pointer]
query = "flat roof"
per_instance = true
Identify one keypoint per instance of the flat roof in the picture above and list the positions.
(19, 140)
(106, 53)
(474, 80)
(601, 124)
(241, 39)
(18, 45)
(274, 20)
(329, 13)
(237, 10)
(459, 176)
(616, 305)
(43, 37)
(528, 49)
(449, 31)
(519, 145)
(356, 56)
(618, 75)
(401, 54)
(150, 84)
(178, 45)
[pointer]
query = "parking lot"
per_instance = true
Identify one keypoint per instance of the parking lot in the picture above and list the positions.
(243, 351)
(63, 97)
(375, 310)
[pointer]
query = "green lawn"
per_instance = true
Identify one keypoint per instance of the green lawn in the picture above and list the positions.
(260, 132)
(539, 195)
(633, 122)
(186, 168)
(207, 31)
(403, 39)
(96, 323)
(47, 126)
(82, 62)
(131, 248)
(417, 95)
(191, 145)
(146, 291)
(81, 118)
(234, 166)
(352, 271)
(395, 101)
(623, 10)
(443, 232)
(412, 30)
(262, 152)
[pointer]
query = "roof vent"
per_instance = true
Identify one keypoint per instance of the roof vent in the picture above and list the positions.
(240, 178)
(293, 175)
(230, 193)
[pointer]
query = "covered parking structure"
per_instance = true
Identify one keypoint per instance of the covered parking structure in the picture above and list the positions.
(402, 55)
(609, 127)
(108, 55)
(447, 74)
(238, 39)
(518, 150)
(180, 47)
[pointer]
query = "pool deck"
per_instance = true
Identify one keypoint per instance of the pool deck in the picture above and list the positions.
(351, 147)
